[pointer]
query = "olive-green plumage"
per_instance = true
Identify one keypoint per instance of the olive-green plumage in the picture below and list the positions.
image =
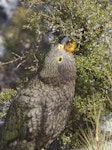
(41, 110)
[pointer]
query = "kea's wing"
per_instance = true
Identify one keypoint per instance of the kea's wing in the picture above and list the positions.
(23, 116)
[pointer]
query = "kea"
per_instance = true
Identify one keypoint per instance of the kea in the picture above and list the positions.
(40, 111)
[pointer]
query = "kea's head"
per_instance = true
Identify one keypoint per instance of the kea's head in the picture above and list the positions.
(59, 65)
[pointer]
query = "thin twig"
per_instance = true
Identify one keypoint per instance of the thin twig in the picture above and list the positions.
(12, 61)
(20, 63)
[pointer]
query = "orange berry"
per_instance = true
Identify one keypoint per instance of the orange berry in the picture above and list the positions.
(70, 47)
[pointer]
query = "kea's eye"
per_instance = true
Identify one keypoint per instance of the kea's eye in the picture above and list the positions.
(60, 59)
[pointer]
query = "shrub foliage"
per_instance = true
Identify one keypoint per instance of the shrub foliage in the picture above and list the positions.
(85, 22)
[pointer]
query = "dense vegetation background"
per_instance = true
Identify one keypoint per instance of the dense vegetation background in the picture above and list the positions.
(36, 26)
